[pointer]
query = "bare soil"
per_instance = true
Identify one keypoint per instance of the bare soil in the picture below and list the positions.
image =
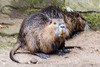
(88, 56)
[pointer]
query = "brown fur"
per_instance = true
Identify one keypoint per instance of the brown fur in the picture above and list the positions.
(53, 12)
(39, 33)
(73, 20)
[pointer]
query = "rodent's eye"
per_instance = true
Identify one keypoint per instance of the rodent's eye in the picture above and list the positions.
(50, 22)
(54, 22)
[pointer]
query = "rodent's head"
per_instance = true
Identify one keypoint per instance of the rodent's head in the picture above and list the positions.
(57, 28)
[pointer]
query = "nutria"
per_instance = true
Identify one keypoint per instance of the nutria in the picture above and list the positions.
(75, 22)
(41, 36)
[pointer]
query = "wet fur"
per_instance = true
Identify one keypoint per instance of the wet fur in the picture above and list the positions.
(53, 12)
(73, 20)
(37, 34)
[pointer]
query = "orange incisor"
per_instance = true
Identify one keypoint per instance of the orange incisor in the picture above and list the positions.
(62, 32)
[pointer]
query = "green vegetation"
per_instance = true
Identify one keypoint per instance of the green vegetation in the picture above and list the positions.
(93, 19)
(7, 39)
(5, 44)
(36, 5)
(29, 11)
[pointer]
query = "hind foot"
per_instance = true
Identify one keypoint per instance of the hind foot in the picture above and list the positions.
(42, 55)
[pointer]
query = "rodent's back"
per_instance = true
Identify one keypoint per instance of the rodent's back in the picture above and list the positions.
(53, 12)
(33, 21)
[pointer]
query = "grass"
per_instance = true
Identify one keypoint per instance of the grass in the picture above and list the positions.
(5, 45)
(9, 42)
(93, 20)
(7, 36)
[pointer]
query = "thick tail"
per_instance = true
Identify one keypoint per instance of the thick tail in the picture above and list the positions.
(12, 52)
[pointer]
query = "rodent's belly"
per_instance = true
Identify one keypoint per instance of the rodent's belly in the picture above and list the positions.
(47, 49)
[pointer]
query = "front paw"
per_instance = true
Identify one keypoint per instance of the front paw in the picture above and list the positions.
(61, 53)
(66, 51)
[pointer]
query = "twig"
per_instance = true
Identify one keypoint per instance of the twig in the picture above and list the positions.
(20, 7)
(88, 11)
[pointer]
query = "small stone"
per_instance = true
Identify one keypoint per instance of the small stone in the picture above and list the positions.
(34, 61)
(26, 62)
(66, 57)
(98, 31)
(84, 35)
(1, 26)
(4, 63)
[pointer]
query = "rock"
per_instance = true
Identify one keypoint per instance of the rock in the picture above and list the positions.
(12, 7)
(33, 61)
(83, 5)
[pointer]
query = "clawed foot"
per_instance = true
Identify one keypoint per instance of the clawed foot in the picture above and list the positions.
(42, 55)
(61, 53)
(66, 51)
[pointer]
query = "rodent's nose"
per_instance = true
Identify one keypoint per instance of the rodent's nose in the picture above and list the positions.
(62, 26)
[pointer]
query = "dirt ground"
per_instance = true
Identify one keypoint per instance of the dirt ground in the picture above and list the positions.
(88, 56)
